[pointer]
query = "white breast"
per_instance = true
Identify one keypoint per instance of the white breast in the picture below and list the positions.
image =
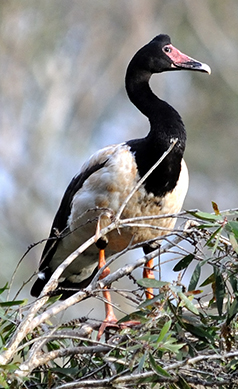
(102, 193)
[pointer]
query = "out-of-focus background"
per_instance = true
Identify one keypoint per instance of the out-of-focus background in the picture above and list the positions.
(62, 67)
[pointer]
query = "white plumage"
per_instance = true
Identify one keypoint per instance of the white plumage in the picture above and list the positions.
(102, 194)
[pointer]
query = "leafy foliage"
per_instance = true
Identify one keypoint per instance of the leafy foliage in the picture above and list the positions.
(183, 337)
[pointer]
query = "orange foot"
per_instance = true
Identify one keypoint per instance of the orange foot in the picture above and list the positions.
(113, 323)
(109, 321)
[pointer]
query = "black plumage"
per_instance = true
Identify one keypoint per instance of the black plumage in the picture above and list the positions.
(111, 173)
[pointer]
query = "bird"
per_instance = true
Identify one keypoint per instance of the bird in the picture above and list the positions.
(109, 176)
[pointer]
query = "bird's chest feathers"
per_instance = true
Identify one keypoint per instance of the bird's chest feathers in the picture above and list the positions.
(106, 190)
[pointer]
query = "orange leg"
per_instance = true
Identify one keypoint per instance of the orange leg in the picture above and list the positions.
(110, 319)
(148, 273)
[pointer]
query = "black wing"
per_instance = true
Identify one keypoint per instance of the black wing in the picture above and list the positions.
(59, 226)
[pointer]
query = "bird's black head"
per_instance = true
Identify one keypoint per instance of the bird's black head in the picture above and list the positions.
(160, 55)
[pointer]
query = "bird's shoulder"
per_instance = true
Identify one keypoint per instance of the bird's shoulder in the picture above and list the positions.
(102, 158)
(107, 157)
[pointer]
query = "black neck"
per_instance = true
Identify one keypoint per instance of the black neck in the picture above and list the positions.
(164, 119)
(165, 124)
(139, 92)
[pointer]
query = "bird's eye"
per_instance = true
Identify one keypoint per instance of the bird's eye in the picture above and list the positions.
(167, 49)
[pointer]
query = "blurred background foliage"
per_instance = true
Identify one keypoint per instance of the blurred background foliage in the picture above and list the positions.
(62, 67)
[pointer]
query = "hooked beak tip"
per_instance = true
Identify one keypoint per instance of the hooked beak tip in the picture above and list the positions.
(205, 68)
(192, 65)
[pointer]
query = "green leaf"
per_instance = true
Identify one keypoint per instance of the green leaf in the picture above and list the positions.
(152, 283)
(11, 367)
(141, 363)
(216, 235)
(234, 242)
(148, 337)
(53, 299)
(170, 346)
(150, 302)
(232, 226)
(54, 345)
(232, 231)
(199, 331)
(176, 288)
(140, 316)
(219, 291)
(208, 225)
(164, 331)
(4, 288)
(232, 311)
(183, 264)
(183, 384)
(65, 370)
(12, 303)
(209, 280)
(234, 282)
(157, 369)
(8, 328)
(188, 303)
(205, 216)
(3, 383)
(195, 277)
